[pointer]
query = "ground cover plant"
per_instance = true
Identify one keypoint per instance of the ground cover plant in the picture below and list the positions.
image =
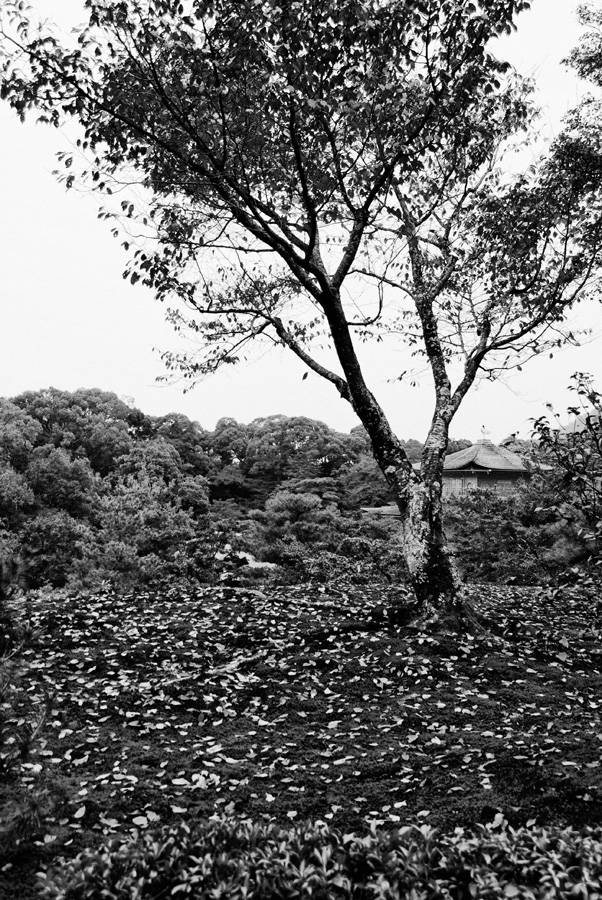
(235, 859)
(289, 704)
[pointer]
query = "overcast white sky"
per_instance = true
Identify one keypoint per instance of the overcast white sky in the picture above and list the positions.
(67, 318)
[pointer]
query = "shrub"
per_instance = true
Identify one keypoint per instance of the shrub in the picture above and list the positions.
(10, 567)
(50, 543)
(505, 539)
(575, 452)
(234, 859)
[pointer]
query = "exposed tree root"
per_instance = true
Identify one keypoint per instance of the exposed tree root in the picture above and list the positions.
(457, 617)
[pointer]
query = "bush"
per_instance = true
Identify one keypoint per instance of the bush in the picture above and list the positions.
(50, 543)
(10, 566)
(234, 859)
(311, 540)
(506, 539)
(575, 452)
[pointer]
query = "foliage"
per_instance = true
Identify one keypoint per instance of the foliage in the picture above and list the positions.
(16, 496)
(10, 576)
(25, 706)
(11, 631)
(96, 422)
(19, 432)
(22, 718)
(295, 453)
(238, 859)
(153, 515)
(93, 490)
(62, 482)
(150, 519)
(230, 484)
(188, 438)
(50, 544)
(306, 533)
(578, 148)
(296, 448)
(286, 490)
(363, 484)
(299, 515)
(504, 539)
(575, 452)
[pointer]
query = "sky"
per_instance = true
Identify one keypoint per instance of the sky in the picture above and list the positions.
(69, 320)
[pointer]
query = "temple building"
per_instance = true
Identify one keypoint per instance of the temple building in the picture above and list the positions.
(483, 465)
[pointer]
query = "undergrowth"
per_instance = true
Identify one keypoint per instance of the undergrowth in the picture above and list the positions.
(240, 860)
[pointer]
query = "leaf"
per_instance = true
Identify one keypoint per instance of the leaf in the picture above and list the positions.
(142, 821)
(80, 813)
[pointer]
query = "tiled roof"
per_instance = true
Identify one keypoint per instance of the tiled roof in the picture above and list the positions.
(485, 455)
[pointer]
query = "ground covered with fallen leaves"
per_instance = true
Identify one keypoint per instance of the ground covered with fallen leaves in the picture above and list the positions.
(296, 703)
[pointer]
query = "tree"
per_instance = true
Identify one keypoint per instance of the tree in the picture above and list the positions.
(291, 448)
(19, 433)
(228, 443)
(578, 148)
(62, 482)
(15, 496)
(89, 421)
(153, 518)
(575, 451)
(188, 438)
(50, 544)
(321, 173)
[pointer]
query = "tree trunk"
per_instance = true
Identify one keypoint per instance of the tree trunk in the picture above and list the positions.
(433, 575)
(439, 597)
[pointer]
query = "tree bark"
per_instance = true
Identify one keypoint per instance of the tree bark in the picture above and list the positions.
(440, 603)
(433, 575)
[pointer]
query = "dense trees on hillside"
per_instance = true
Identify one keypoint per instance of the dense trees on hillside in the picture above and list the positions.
(92, 490)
